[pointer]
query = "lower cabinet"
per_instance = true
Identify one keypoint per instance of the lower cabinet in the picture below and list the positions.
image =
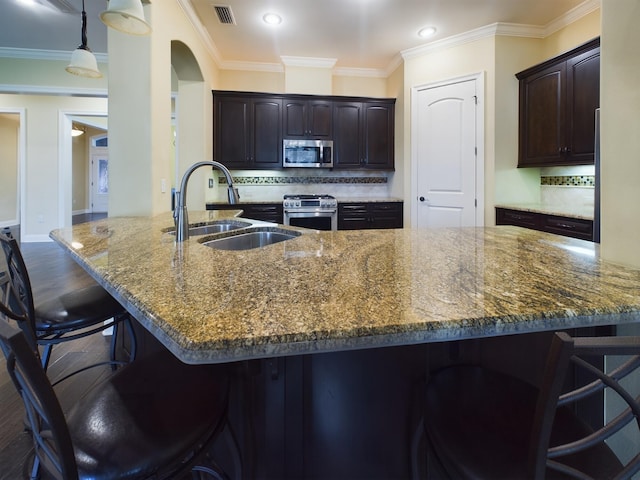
(368, 215)
(266, 212)
(560, 225)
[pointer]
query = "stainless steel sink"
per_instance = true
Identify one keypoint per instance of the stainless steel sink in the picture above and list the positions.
(255, 238)
(217, 226)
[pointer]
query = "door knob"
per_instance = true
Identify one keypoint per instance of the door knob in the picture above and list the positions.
(421, 199)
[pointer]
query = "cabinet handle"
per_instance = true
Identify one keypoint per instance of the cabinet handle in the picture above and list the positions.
(565, 225)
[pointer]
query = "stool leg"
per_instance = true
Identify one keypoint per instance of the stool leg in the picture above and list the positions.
(133, 347)
(113, 345)
(46, 356)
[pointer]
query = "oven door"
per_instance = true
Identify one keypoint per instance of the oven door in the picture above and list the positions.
(312, 218)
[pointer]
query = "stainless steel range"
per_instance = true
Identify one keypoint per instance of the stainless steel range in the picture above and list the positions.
(319, 212)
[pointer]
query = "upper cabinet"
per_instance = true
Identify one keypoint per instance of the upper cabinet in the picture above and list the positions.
(364, 134)
(558, 99)
(248, 128)
(308, 119)
(247, 131)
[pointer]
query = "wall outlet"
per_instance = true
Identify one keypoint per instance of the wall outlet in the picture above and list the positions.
(40, 218)
(163, 185)
(211, 183)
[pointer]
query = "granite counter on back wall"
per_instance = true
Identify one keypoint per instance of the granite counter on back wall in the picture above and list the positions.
(341, 290)
(580, 211)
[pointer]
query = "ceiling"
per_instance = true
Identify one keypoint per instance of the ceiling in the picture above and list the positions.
(366, 34)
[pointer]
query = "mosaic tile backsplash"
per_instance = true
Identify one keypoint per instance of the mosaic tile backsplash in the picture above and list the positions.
(569, 180)
(572, 190)
(253, 186)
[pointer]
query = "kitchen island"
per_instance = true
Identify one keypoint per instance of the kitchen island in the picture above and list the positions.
(341, 290)
(306, 319)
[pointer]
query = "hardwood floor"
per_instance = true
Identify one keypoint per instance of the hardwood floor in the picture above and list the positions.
(50, 269)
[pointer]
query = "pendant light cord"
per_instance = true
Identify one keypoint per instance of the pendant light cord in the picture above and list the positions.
(84, 29)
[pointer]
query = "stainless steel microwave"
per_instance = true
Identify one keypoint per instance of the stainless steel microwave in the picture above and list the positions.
(307, 153)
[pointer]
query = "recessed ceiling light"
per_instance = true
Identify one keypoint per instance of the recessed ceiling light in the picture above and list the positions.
(272, 19)
(426, 32)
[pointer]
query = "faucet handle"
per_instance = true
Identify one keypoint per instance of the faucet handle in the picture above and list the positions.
(234, 196)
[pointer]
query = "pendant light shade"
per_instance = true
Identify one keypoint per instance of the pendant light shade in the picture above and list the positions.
(126, 16)
(83, 62)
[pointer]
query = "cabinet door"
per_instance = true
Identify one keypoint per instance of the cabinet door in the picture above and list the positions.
(378, 135)
(232, 133)
(320, 119)
(347, 125)
(308, 119)
(294, 122)
(386, 215)
(542, 117)
(583, 98)
(267, 133)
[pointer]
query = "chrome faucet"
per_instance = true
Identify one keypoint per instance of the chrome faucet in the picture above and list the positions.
(180, 215)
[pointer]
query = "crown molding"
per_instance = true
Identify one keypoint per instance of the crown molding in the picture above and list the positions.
(576, 13)
(313, 62)
(360, 72)
(252, 66)
(197, 25)
(30, 54)
(51, 90)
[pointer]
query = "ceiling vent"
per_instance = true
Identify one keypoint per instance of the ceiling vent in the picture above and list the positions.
(225, 15)
(63, 6)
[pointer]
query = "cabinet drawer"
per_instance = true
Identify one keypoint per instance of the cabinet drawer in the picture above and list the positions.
(570, 227)
(356, 216)
(517, 217)
(266, 212)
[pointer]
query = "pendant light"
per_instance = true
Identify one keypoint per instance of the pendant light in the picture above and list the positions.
(83, 62)
(126, 16)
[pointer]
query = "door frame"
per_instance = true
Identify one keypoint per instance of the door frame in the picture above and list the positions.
(95, 152)
(65, 163)
(479, 183)
(22, 165)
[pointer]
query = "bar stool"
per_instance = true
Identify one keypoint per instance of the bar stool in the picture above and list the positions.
(69, 316)
(155, 418)
(481, 423)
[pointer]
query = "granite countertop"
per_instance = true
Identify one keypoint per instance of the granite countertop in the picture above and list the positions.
(339, 290)
(582, 211)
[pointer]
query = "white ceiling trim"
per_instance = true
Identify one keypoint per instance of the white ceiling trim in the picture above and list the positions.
(360, 72)
(29, 54)
(313, 62)
(453, 41)
(252, 66)
(585, 8)
(50, 90)
(197, 25)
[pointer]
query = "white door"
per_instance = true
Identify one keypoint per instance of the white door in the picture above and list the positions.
(99, 182)
(446, 166)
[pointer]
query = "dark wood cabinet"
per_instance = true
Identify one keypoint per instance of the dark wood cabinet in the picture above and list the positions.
(364, 134)
(247, 131)
(558, 99)
(368, 215)
(560, 225)
(266, 212)
(248, 128)
(307, 119)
